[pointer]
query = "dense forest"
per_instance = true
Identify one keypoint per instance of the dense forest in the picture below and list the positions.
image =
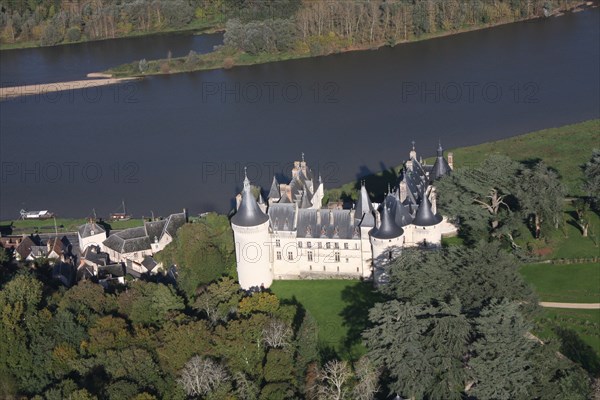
(450, 324)
(314, 23)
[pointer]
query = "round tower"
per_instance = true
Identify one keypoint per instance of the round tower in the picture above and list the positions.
(250, 227)
(387, 240)
(426, 225)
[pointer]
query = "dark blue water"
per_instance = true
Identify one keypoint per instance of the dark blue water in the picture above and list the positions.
(75, 61)
(177, 141)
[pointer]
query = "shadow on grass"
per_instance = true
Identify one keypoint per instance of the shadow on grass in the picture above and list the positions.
(578, 351)
(359, 299)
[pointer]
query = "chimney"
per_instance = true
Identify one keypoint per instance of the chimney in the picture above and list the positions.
(331, 217)
(451, 160)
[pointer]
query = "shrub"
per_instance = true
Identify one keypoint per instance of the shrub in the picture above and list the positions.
(73, 34)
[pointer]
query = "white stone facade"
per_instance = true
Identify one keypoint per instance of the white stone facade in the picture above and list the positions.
(293, 237)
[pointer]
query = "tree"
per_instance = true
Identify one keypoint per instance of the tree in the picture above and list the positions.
(203, 251)
(591, 173)
(333, 380)
(582, 209)
(420, 340)
(218, 300)
(276, 334)
(541, 196)
(502, 360)
(201, 376)
(143, 65)
(263, 302)
(481, 197)
(149, 303)
(246, 388)
(367, 379)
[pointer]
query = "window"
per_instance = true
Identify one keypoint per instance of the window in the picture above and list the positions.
(310, 267)
(336, 245)
(308, 244)
(279, 255)
(347, 259)
(277, 243)
(357, 269)
(299, 245)
(290, 255)
(356, 246)
(310, 256)
(338, 269)
(337, 256)
(319, 245)
(324, 268)
(327, 245)
(345, 246)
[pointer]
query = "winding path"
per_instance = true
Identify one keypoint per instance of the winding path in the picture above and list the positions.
(578, 306)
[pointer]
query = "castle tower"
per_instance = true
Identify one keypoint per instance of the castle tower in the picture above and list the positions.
(387, 241)
(364, 218)
(426, 225)
(252, 243)
(441, 166)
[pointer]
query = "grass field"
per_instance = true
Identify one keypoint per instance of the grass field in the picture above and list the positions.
(62, 225)
(565, 283)
(578, 332)
(564, 149)
(340, 308)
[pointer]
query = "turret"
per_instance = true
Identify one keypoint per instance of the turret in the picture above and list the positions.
(386, 240)
(426, 225)
(441, 166)
(250, 227)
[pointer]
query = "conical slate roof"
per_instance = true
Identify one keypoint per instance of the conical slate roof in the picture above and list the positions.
(426, 217)
(274, 192)
(363, 205)
(305, 202)
(249, 213)
(284, 199)
(441, 167)
(388, 229)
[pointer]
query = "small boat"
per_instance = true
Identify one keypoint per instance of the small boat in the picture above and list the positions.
(120, 216)
(44, 214)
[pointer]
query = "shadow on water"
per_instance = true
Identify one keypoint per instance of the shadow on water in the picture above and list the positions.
(578, 351)
(377, 182)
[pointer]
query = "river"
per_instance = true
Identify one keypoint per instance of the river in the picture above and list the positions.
(169, 142)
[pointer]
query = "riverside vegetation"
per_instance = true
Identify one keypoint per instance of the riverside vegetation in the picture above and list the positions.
(266, 31)
(460, 319)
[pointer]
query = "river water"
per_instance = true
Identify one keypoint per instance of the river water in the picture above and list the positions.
(170, 142)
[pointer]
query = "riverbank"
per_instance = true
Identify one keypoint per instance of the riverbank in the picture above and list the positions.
(196, 28)
(227, 57)
(7, 93)
(560, 148)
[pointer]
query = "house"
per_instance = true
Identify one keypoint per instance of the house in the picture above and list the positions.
(90, 234)
(135, 244)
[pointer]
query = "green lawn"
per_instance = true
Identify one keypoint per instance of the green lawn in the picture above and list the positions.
(62, 225)
(566, 283)
(564, 149)
(340, 308)
(579, 337)
(574, 245)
